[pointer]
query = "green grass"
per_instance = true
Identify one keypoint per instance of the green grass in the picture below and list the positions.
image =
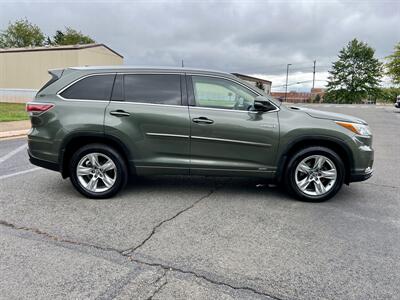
(12, 112)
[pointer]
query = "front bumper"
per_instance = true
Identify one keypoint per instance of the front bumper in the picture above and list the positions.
(356, 177)
(363, 155)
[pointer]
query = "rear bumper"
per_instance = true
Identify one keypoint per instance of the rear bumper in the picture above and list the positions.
(43, 163)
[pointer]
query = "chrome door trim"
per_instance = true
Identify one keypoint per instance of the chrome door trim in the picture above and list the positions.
(239, 111)
(230, 141)
(167, 135)
(232, 170)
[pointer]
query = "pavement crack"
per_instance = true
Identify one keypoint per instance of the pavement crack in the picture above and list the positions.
(381, 185)
(153, 231)
(126, 253)
(130, 258)
(213, 281)
(161, 286)
(54, 237)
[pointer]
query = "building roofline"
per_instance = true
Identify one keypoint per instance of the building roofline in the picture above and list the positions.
(55, 48)
(252, 77)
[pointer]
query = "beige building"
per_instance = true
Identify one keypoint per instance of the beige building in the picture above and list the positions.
(257, 82)
(24, 70)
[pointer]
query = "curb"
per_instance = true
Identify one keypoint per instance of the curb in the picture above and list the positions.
(14, 133)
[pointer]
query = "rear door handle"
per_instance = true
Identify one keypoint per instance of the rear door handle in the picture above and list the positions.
(119, 113)
(203, 120)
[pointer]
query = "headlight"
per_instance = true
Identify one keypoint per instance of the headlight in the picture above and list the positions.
(359, 129)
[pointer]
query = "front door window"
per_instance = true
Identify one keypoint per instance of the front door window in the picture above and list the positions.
(221, 93)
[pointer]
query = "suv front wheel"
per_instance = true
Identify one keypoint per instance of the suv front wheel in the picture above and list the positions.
(97, 171)
(315, 174)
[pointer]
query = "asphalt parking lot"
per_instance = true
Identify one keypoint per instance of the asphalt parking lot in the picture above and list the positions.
(202, 238)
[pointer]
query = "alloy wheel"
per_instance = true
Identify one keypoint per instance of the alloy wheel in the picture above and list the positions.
(316, 175)
(96, 172)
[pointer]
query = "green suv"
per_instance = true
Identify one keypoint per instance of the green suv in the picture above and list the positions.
(101, 125)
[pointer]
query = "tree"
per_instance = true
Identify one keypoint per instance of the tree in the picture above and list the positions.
(70, 37)
(22, 33)
(355, 75)
(389, 94)
(393, 65)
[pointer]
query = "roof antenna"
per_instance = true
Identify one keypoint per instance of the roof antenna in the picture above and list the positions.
(182, 64)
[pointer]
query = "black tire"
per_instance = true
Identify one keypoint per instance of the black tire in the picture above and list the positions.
(120, 170)
(298, 157)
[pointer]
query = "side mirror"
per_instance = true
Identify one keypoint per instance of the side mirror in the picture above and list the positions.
(261, 106)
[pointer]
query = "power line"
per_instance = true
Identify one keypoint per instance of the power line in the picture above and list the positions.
(297, 82)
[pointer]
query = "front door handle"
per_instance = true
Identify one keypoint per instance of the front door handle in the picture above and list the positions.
(119, 113)
(203, 120)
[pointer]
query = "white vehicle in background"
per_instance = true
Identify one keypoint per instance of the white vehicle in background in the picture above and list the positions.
(397, 102)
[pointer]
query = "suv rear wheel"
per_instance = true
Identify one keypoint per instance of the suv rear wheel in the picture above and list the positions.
(98, 171)
(315, 174)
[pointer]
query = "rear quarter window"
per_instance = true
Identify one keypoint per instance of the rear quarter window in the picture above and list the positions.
(96, 87)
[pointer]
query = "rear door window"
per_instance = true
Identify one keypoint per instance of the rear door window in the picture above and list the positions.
(96, 87)
(153, 88)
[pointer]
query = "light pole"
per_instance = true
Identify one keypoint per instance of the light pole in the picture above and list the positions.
(287, 76)
(313, 75)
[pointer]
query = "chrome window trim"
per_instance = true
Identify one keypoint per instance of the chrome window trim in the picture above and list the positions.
(223, 109)
(152, 104)
(230, 141)
(237, 82)
(115, 73)
(160, 73)
(79, 79)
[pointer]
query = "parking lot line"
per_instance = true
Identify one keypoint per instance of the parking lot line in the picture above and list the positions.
(19, 173)
(12, 153)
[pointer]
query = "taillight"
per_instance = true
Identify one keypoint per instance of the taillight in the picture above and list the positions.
(38, 107)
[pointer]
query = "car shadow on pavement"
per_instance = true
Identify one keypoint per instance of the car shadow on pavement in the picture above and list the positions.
(229, 185)
(169, 185)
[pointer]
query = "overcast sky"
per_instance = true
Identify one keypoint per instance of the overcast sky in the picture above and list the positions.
(251, 37)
